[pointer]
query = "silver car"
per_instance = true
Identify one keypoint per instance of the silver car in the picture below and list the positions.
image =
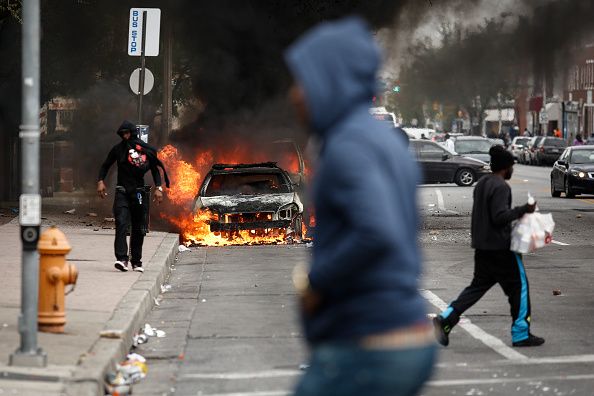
(517, 147)
(474, 147)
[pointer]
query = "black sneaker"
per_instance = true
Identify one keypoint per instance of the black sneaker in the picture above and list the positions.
(137, 268)
(121, 266)
(442, 330)
(531, 341)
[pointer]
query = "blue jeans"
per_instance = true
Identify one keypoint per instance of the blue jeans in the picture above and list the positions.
(348, 369)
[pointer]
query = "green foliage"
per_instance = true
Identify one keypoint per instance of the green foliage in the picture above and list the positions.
(11, 8)
(465, 64)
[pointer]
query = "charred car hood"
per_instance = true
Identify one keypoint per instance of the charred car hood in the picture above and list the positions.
(247, 203)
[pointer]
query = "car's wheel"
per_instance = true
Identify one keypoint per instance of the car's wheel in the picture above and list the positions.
(554, 193)
(568, 191)
(465, 177)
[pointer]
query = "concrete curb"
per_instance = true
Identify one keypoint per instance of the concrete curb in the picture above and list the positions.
(115, 340)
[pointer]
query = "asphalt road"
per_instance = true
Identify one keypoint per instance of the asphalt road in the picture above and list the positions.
(232, 327)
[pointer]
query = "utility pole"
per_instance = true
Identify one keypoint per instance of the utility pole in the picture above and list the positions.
(545, 117)
(167, 77)
(142, 67)
(29, 354)
(499, 112)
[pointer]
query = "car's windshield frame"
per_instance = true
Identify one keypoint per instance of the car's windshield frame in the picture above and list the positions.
(546, 142)
(469, 142)
(521, 141)
(284, 185)
(573, 152)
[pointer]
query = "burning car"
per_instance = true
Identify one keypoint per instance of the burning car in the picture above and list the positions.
(256, 198)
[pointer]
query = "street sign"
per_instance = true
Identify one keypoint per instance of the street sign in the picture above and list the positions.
(149, 81)
(143, 132)
(30, 210)
(543, 117)
(153, 28)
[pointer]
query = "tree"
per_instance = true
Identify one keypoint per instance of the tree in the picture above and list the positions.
(465, 71)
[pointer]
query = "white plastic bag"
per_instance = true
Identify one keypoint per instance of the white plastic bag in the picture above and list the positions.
(532, 232)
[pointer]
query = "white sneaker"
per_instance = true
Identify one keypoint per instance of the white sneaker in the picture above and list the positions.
(137, 268)
(121, 265)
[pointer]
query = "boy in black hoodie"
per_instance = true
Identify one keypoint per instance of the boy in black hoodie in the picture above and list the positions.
(494, 262)
(134, 158)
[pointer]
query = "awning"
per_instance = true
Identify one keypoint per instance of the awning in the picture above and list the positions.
(506, 115)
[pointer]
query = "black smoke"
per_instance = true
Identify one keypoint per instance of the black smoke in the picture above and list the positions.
(235, 50)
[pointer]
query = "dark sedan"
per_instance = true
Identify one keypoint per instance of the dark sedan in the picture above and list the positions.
(442, 166)
(549, 149)
(573, 173)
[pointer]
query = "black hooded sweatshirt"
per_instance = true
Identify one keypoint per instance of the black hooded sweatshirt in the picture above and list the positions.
(492, 214)
(134, 159)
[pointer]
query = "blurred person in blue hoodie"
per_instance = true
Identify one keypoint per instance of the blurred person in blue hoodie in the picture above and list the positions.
(363, 314)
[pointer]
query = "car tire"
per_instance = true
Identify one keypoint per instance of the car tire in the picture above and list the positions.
(465, 177)
(554, 193)
(568, 191)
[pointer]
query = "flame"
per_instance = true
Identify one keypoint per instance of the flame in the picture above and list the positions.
(186, 179)
(196, 231)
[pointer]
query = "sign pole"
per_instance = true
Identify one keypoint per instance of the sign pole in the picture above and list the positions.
(29, 354)
(142, 67)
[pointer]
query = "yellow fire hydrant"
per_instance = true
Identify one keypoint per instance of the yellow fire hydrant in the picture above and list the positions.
(54, 274)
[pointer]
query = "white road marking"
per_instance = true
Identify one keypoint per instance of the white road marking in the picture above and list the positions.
(441, 202)
(554, 360)
(487, 381)
(246, 375)
(559, 243)
(476, 332)
(572, 359)
(265, 393)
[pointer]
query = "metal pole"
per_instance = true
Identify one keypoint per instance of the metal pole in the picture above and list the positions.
(167, 89)
(544, 125)
(28, 353)
(142, 67)
(499, 112)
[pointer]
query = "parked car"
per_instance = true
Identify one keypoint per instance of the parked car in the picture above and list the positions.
(573, 172)
(529, 152)
(417, 133)
(442, 166)
(517, 146)
(548, 150)
(473, 147)
(255, 197)
(497, 142)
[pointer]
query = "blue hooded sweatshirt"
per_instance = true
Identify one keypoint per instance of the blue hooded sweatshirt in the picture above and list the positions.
(366, 260)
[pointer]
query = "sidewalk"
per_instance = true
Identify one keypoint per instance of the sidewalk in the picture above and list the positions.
(106, 302)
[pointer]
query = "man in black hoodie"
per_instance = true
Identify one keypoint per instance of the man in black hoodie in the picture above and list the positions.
(494, 262)
(134, 158)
